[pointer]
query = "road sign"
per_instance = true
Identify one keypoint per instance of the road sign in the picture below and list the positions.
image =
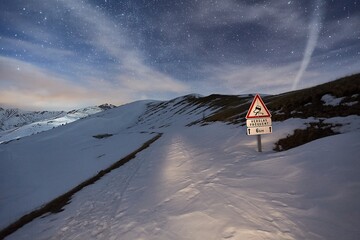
(258, 109)
(258, 122)
(259, 130)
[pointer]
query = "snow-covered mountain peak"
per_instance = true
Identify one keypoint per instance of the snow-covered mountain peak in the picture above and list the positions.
(17, 123)
(14, 118)
(106, 106)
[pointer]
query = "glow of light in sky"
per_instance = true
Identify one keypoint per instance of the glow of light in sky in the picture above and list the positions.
(314, 30)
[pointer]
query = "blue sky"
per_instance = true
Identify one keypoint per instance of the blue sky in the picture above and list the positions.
(67, 54)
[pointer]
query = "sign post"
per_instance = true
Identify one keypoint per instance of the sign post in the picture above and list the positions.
(259, 143)
(258, 120)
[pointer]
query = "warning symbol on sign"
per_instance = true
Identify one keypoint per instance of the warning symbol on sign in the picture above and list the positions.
(258, 109)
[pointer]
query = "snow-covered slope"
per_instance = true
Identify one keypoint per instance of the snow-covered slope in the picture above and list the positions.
(37, 169)
(13, 118)
(20, 124)
(210, 183)
(195, 182)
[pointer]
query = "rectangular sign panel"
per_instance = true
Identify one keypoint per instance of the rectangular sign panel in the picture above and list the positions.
(259, 130)
(258, 122)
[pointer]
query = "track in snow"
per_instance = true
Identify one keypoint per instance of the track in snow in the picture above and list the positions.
(58, 204)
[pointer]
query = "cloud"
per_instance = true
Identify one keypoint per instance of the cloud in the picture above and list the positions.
(23, 84)
(314, 30)
(31, 87)
(107, 36)
(132, 72)
(36, 50)
(230, 30)
(278, 15)
(70, 81)
(134, 76)
(149, 81)
(257, 78)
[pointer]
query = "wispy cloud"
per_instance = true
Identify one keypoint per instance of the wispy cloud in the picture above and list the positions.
(23, 84)
(106, 36)
(128, 78)
(237, 79)
(229, 30)
(267, 79)
(29, 86)
(314, 30)
(275, 15)
(36, 50)
(261, 78)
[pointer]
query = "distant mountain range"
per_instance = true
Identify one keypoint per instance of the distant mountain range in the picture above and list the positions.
(16, 123)
(14, 118)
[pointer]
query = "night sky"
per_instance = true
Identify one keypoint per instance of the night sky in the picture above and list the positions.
(64, 54)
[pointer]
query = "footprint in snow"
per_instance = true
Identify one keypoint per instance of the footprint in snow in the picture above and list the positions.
(229, 233)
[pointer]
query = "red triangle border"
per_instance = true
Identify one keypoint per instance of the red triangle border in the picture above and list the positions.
(257, 96)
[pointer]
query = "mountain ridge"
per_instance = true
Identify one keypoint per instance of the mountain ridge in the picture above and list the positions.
(338, 98)
(16, 123)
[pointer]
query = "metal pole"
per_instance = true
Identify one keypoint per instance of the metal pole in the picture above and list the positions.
(259, 142)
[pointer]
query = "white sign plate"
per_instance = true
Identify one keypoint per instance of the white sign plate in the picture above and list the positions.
(258, 122)
(259, 130)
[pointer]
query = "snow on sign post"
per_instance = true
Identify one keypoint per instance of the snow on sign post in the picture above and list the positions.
(258, 119)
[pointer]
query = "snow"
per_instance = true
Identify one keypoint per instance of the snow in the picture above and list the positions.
(198, 182)
(330, 100)
(33, 126)
(346, 124)
(13, 117)
(35, 170)
(210, 183)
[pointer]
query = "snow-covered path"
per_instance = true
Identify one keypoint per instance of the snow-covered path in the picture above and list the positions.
(210, 183)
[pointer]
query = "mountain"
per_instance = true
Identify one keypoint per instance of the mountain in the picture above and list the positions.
(13, 117)
(17, 123)
(185, 169)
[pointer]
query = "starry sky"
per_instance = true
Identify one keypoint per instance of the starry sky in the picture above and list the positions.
(65, 54)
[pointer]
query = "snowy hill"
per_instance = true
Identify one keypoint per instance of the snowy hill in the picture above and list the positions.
(18, 124)
(13, 118)
(185, 169)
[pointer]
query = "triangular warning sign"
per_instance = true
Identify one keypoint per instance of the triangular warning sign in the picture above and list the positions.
(258, 109)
